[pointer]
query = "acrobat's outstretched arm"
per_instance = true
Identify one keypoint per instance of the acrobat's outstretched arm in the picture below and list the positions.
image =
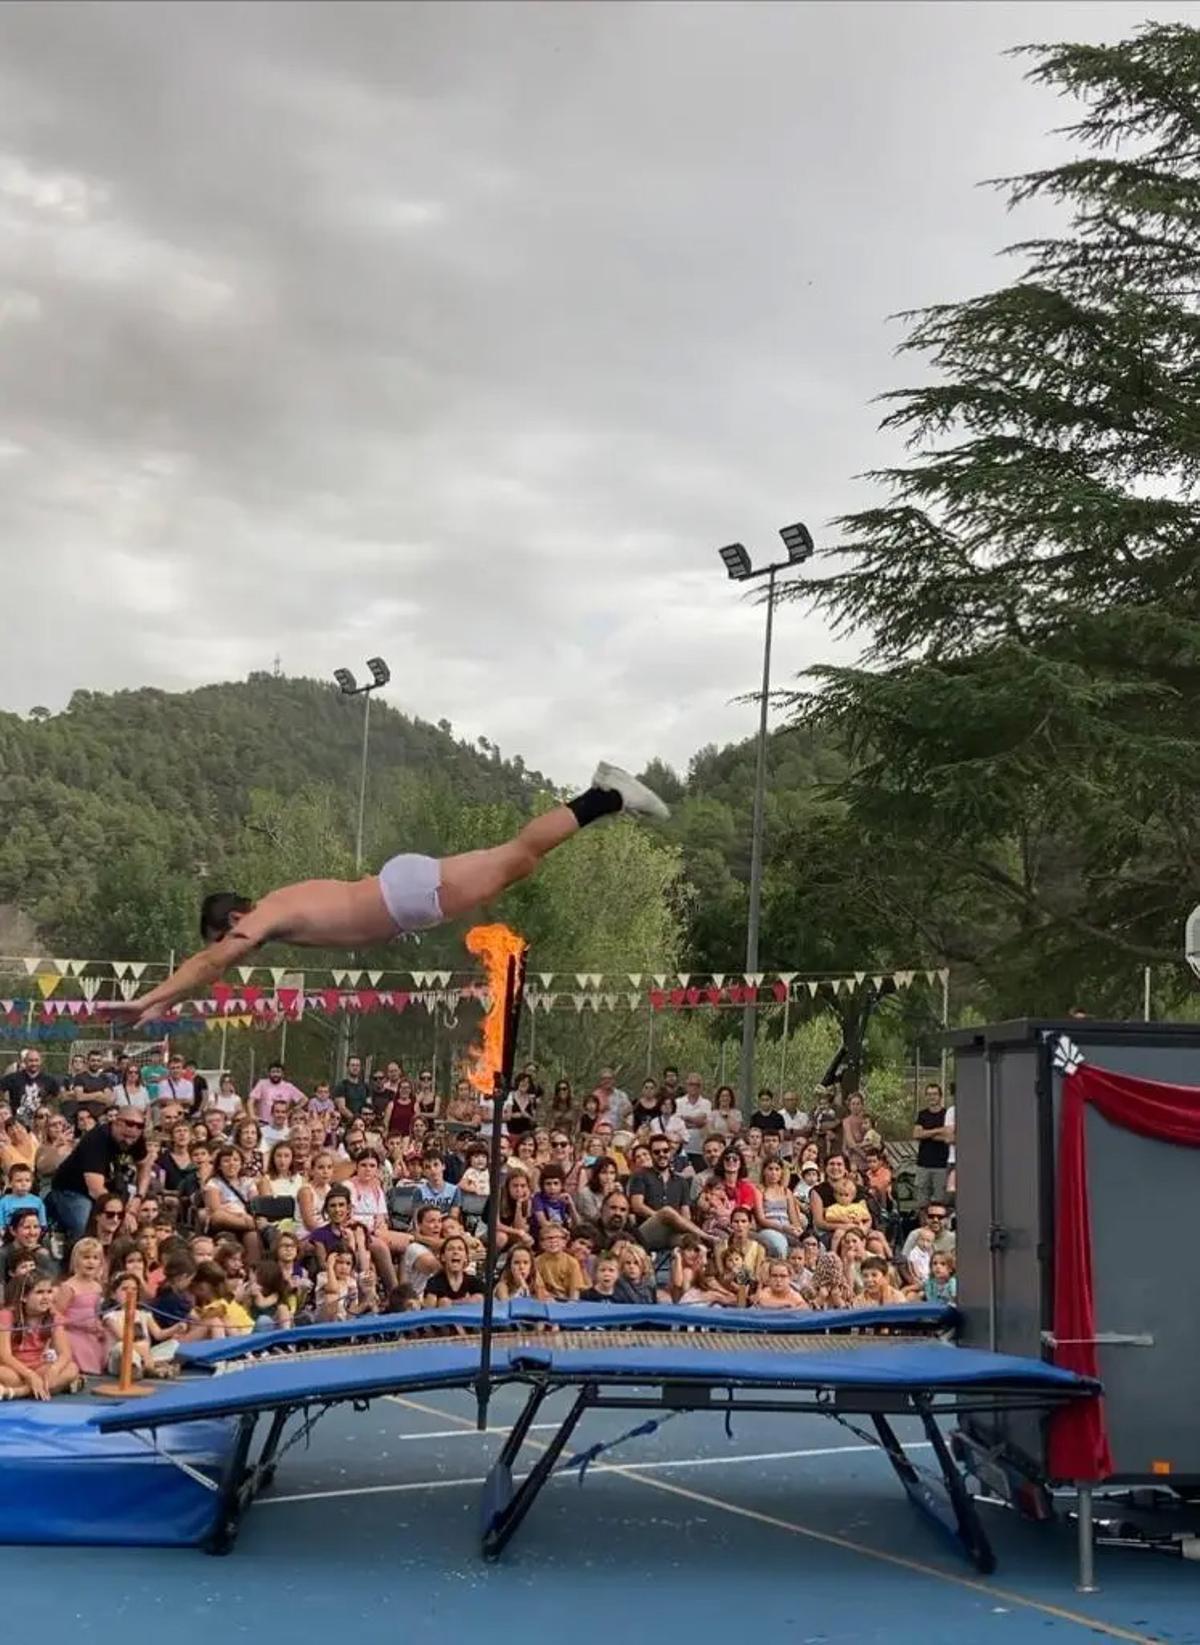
(195, 974)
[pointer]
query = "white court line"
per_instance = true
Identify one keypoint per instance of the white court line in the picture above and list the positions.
(596, 1468)
(460, 1433)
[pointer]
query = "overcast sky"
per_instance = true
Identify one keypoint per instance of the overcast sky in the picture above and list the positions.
(467, 333)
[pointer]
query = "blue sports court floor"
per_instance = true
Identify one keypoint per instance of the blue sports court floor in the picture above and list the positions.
(791, 1530)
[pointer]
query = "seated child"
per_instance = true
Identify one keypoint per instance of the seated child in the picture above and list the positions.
(941, 1286)
(846, 1211)
(556, 1267)
(19, 1195)
(154, 1346)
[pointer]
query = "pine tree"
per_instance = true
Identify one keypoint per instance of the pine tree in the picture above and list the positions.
(1025, 735)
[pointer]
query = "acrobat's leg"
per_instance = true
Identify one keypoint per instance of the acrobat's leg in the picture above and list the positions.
(478, 877)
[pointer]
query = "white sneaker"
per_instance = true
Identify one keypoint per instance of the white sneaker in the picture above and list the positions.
(635, 796)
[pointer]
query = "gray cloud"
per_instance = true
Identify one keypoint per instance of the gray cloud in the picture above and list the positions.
(466, 333)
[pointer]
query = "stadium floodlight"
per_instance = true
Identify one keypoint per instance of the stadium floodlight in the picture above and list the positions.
(797, 539)
(346, 681)
(737, 561)
(380, 672)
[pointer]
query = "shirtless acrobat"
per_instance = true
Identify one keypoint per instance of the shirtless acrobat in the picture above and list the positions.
(410, 893)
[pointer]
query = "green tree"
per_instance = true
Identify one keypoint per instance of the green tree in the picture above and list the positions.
(1023, 738)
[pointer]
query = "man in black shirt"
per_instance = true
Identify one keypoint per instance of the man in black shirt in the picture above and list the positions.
(660, 1199)
(28, 1088)
(933, 1138)
(108, 1159)
(767, 1115)
(350, 1093)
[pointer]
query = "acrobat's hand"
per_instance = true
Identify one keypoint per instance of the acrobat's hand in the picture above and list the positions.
(134, 1008)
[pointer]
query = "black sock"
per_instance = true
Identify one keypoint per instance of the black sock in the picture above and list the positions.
(597, 802)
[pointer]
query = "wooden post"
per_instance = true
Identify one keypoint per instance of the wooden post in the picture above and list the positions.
(126, 1387)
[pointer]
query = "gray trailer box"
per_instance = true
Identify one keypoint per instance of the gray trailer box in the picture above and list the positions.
(1145, 1202)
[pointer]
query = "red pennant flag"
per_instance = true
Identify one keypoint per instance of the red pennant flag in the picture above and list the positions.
(289, 999)
(657, 999)
(331, 999)
(780, 991)
(368, 999)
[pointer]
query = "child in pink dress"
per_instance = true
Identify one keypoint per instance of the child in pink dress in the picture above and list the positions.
(78, 1303)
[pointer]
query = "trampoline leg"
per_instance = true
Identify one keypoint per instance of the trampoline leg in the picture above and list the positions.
(970, 1527)
(266, 1457)
(1087, 1583)
(505, 1508)
(229, 1500)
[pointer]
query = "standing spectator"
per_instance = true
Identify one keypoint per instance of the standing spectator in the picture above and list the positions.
(767, 1116)
(695, 1110)
(227, 1101)
(400, 1110)
(350, 1092)
(796, 1123)
(60, 1140)
(78, 1301)
(132, 1092)
(28, 1087)
(949, 1125)
(645, 1110)
(110, 1158)
(520, 1110)
(274, 1088)
(95, 1077)
(175, 1086)
(614, 1104)
(427, 1098)
(726, 1117)
(933, 1138)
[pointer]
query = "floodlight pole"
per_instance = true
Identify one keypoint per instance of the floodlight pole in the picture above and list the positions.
(754, 917)
(348, 687)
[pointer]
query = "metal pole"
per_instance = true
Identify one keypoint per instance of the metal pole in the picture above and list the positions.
(783, 1049)
(362, 781)
(756, 854)
(1147, 1010)
(649, 1038)
(945, 1029)
(343, 1039)
(1087, 1546)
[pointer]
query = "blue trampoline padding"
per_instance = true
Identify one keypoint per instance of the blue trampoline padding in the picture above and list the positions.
(933, 1367)
(66, 1483)
(306, 1380)
(912, 1316)
(203, 1355)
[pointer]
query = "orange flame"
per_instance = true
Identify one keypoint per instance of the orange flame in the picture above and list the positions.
(495, 945)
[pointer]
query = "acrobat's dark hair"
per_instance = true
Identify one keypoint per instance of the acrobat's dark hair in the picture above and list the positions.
(216, 912)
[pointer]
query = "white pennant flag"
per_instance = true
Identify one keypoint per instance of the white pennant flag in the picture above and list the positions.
(858, 977)
(685, 978)
(30, 965)
(76, 967)
(545, 978)
(788, 977)
(90, 987)
(278, 973)
(373, 978)
(341, 978)
(635, 978)
(245, 972)
(930, 976)
(753, 978)
(944, 976)
(581, 977)
(421, 978)
(579, 1001)
(136, 967)
(61, 966)
(660, 979)
(877, 982)
(442, 978)
(128, 990)
(903, 979)
(719, 979)
(634, 1001)
(812, 989)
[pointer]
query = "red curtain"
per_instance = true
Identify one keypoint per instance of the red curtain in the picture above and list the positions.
(1079, 1446)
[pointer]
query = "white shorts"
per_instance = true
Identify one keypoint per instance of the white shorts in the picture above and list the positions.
(409, 886)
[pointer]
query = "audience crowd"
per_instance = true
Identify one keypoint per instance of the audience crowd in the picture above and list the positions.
(213, 1212)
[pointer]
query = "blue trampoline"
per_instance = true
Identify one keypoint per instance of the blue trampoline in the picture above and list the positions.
(655, 1360)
